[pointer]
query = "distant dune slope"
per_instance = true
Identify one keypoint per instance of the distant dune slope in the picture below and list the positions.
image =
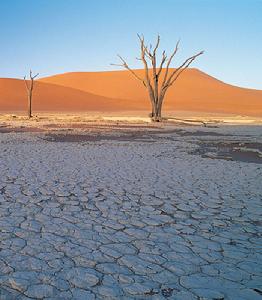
(194, 90)
(51, 97)
(119, 91)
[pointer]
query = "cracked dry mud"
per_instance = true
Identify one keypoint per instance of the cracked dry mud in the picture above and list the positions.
(118, 220)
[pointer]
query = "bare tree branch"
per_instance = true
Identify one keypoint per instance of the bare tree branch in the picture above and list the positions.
(147, 78)
(164, 57)
(26, 84)
(169, 62)
(157, 45)
(181, 68)
(125, 65)
(35, 76)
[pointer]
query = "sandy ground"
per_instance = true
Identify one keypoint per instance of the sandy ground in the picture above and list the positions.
(129, 210)
(41, 119)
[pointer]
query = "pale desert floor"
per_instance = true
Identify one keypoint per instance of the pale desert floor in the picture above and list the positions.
(117, 210)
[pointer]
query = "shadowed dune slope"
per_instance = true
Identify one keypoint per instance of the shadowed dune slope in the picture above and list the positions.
(194, 90)
(51, 97)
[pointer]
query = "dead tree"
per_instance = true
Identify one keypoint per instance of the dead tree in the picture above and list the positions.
(157, 79)
(29, 87)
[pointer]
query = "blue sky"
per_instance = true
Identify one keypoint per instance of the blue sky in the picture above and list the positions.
(56, 36)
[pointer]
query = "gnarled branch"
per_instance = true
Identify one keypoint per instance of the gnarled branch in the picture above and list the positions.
(181, 68)
(125, 65)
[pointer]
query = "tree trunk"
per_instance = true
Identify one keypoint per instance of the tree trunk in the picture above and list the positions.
(30, 105)
(153, 113)
(158, 116)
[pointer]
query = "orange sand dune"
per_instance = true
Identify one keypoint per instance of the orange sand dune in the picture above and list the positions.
(194, 90)
(118, 91)
(51, 97)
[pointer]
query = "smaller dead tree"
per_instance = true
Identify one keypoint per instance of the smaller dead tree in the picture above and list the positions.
(157, 79)
(29, 87)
